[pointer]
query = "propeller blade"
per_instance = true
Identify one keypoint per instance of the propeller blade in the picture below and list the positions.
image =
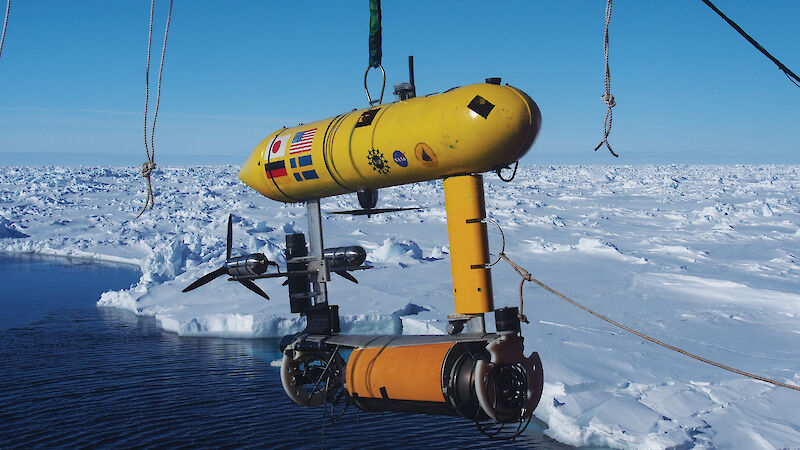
(254, 287)
(205, 279)
(346, 275)
(230, 237)
(369, 212)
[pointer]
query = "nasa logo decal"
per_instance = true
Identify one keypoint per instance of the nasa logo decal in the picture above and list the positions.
(400, 158)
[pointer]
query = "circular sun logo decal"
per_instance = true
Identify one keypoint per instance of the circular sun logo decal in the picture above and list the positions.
(377, 161)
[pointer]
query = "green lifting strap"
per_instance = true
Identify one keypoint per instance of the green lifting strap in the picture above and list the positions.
(375, 38)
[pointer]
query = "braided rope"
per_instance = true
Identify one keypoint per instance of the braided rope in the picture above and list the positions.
(526, 276)
(5, 27)
(608, 99)
(150, 165)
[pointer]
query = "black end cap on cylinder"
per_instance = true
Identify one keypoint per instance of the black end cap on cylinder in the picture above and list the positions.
(322, 319)
(299, 285)
(296, 245)
(367, 198)
(494, 80)
(286, 340)
(507, 319)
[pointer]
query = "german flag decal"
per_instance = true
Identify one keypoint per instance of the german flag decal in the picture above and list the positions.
(275, 169)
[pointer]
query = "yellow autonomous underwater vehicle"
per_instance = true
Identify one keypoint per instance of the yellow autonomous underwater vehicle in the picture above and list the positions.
(470, 129)
(455, 136)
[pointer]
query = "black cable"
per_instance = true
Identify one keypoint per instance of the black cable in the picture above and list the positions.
(789, 74)
(513, 174)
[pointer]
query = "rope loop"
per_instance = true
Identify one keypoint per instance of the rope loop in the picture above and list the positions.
(608, 99)
(147, 168)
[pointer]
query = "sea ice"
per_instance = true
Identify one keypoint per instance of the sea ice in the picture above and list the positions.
(703, 257)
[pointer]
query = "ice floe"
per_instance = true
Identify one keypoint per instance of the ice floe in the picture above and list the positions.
(703, 257)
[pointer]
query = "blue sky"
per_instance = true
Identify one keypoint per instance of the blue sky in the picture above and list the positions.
(688, 88)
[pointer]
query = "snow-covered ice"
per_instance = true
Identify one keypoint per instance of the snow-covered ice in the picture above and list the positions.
(703, 257)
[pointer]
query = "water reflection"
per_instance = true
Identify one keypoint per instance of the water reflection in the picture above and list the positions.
(34, 286)
(86, 376)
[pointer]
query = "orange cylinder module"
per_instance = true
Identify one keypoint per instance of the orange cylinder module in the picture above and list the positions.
(479, 376)
(412, 373)
(471, 129)
(443, 378)
(405, 378)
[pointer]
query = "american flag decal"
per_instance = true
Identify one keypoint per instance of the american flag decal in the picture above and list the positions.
(302, 141)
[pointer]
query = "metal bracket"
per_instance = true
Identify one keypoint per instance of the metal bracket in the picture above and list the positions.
(473, 323)
(296, 272)
(502, 236)
(383, 86)
(316, 249)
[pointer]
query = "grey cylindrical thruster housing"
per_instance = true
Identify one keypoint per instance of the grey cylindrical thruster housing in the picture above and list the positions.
(253, 264)
(340, 257)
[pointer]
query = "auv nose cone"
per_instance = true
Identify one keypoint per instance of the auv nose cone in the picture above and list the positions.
(534, 126)
(252, 172)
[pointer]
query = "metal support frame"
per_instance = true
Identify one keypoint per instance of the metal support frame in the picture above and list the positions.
(466, 323)
(316, 249)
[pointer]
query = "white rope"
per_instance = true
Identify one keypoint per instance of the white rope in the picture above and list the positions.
(526, 276)
(150, 151)
(608, 99)
(5, 27)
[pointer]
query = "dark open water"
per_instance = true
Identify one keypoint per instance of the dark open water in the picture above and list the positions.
(74, 375)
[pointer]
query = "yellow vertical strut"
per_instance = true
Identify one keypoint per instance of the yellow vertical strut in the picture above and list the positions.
(469, 245)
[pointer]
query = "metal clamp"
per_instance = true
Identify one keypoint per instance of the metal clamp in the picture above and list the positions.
(383, 86)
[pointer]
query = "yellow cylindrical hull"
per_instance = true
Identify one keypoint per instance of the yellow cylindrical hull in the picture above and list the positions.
(471, 129)
(469, 246)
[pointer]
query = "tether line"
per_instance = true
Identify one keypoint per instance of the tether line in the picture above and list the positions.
(526, 276)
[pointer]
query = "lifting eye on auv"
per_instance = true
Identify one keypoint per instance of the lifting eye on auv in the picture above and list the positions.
(481, 106)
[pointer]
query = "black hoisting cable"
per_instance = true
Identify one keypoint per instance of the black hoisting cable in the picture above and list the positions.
(375, 34)
(375, 48)
(789, 74)
(5, 26)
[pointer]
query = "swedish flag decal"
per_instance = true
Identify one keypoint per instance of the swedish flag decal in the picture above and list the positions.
(304, 168)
